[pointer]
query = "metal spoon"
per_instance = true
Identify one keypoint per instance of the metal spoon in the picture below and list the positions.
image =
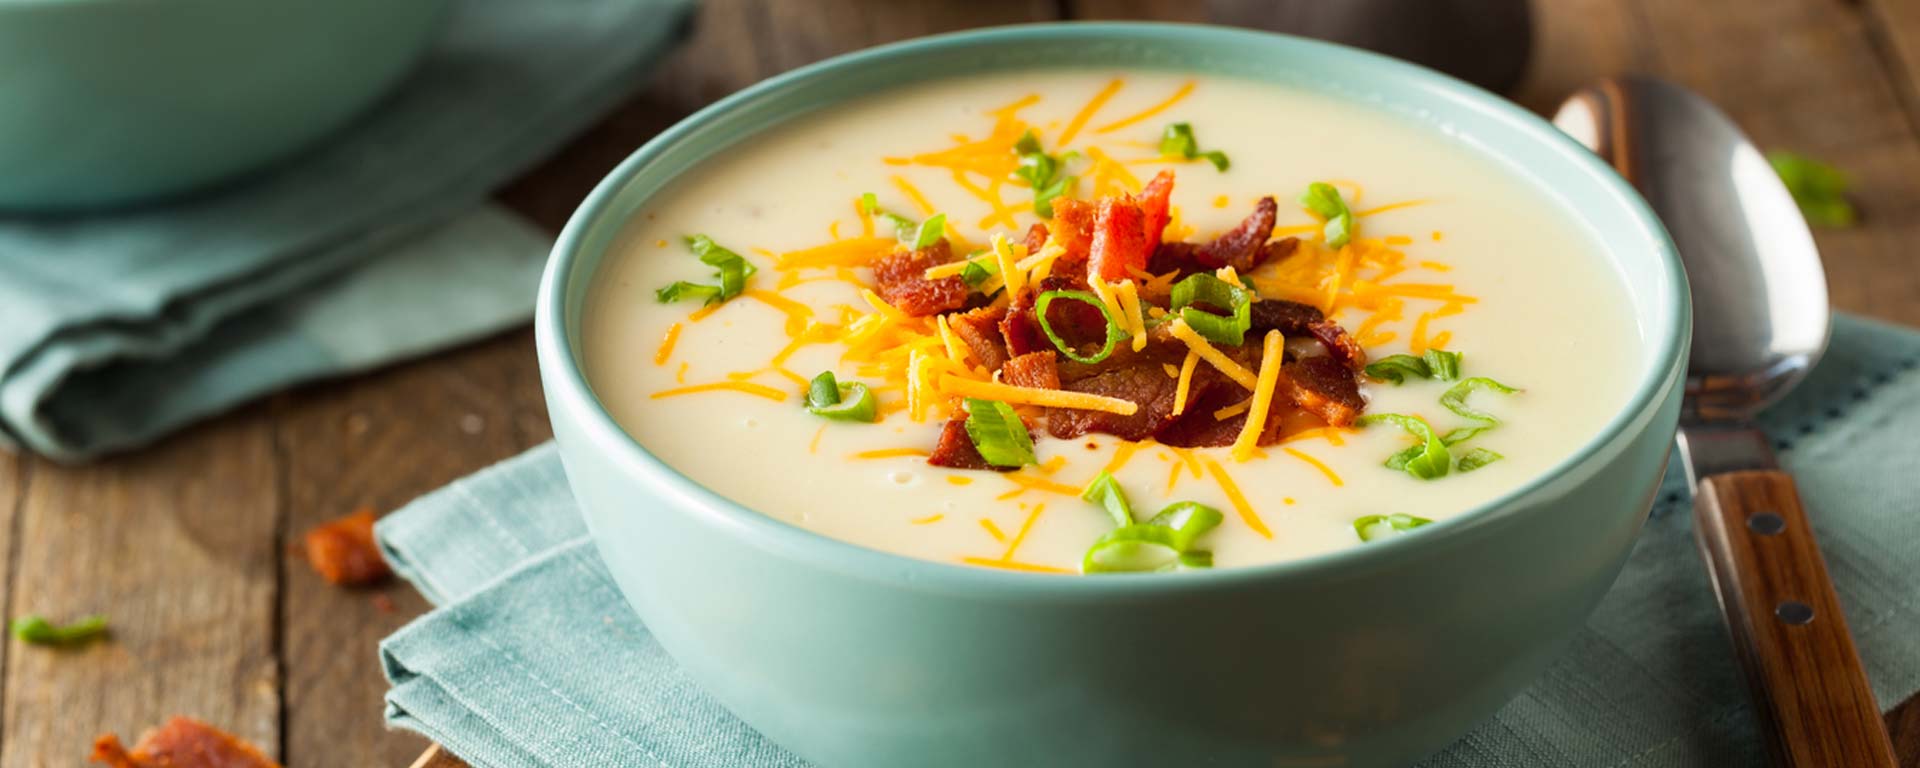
(1760, 322)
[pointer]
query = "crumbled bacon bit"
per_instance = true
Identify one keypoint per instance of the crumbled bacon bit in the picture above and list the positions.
(955, 448)
(1323, 387)
(1036, 238)
(1120, 242)
(1072, 228)
(182, 742)
(1340, 344)
(343, 551)
(1244, 247)
(1291, 318)
(1034, 369)
(901, 279)
(979, 330)
(1156, 202)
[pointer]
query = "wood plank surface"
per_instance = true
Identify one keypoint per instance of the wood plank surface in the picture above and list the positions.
(378, 441)
(178, 548)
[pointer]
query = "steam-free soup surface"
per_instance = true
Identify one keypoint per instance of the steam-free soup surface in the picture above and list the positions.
(1482, 264)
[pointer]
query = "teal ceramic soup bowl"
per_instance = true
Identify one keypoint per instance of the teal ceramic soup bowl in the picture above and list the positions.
(1370, 656)
(110, 102)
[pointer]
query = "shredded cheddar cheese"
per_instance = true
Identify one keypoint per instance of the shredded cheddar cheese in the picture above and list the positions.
(1186, 381)
(757, 390)
(1332, 476)
(1129, 297)
(890, 453)
(1235, 497)
(1272, 351)
(1050, 398)
(1149, 112)
(665, 352)
(1214, 357)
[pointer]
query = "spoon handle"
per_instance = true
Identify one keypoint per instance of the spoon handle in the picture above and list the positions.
(1786, 623)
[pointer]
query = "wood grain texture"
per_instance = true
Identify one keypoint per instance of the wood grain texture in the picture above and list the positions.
(1803, 670)
(177, 547)
(378, 441)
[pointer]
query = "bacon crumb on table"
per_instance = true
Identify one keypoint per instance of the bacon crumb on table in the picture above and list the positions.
(182, 742)
(343, 552)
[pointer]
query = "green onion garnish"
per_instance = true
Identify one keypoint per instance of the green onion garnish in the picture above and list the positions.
(978, 271)
(1427, 459)
(1818, 188)
(39, 631)
(904, 229)
(931, 231)
(998, 433)
(1477, 458)
(1380, 526)
(828, 398)
(1188, 519)
(1455, 398)
(1397, 369)
(1045, 173)
(1195, 560)
(1114, 334)
(733, 273)
(1443, 365)
(1105, 491)
(1177, 141)
(1202, 288)
(1325, 201)
(1462, 434)
(1138, 548)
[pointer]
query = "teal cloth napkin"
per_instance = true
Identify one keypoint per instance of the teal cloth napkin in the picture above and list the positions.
(116, 328)
(533, 659)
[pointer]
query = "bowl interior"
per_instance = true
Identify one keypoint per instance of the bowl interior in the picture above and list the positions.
(1639, 252)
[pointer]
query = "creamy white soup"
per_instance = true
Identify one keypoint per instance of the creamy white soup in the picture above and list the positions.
(1450, 274)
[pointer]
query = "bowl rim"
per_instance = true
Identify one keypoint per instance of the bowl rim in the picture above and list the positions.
(571, 397)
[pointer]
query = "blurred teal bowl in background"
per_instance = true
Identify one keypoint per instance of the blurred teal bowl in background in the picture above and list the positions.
(1372, 656)
(112, 102)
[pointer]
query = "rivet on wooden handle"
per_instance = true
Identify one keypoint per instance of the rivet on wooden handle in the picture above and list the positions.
(1786, 623)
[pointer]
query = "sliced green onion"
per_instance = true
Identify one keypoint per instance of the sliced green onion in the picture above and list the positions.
(828, 398)
(1105, 491)
(1202, 288)
(1177, 141)
(39, 631)
(931, 231)
(681, 289)
(1140, 548)
(904, 229)
(1455, 398)
(1477, 458)
(1818, 188)
(998, 433)
(1398, 368)
(1325, 202)
(1192, 561)
(1188, 520)
(1444, 365)
(1462, 434)
(1426, 460)
(979, 270)
(733, 272)
(1044, 173)
(1114, 334)
(1380, 526)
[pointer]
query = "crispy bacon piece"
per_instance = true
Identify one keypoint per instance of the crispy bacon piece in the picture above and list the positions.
(1197, 428)
(1036, 238)
(1034, 369)
(1145, 384)
(1244, 247)
(1240, 247)
(1156, 200)
(1120, 242)
(343, 552)
(979, 329)
(1323, 387)
(1339, 344)
(1290, 318)
(901, 279)
(955, 448)
(1072, 228)
(182, 742)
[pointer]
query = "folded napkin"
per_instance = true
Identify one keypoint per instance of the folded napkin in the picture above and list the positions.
(533, 658)
(118, 327)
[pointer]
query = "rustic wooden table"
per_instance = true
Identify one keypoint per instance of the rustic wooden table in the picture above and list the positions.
(187, 545)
